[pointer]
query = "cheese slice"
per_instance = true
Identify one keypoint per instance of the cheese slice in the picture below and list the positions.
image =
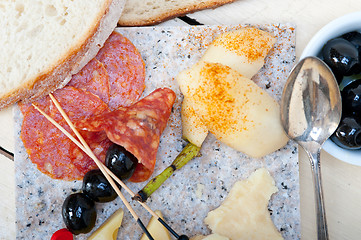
(233, 108)
(244, 213)
(244, 50)
(213, 236)
(109, 229)
(156, 229)
(193, 128)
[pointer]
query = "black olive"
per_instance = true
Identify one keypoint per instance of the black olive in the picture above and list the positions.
(348, 133)
(351, 98)
(79, 213)
(97, 187)
(183, 237)
(121, 162)
(342, 57)
(338, 76)
(353, 37)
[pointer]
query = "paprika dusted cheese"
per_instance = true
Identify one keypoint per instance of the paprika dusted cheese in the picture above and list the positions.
(244, 50)
(234, 108)
(220, 97)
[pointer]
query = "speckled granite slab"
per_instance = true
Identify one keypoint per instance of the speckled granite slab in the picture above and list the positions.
(203, 183)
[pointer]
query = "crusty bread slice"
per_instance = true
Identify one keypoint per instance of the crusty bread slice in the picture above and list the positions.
(44, 42)
(149, 12)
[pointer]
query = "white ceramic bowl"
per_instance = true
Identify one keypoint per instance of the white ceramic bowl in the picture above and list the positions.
(339, 26)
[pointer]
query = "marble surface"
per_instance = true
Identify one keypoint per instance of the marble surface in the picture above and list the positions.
(341, 181)
(39, 198)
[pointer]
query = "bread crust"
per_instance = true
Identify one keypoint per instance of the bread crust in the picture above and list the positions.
(152, 20)
(59, 74)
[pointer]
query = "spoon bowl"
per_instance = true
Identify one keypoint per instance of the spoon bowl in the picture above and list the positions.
(310, 113)
(311, 103)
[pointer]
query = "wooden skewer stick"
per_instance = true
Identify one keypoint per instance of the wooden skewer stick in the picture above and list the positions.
(85, 147)
(120, 182)
(102, 167)
(91, 155)
(89, 151)
(76, 142)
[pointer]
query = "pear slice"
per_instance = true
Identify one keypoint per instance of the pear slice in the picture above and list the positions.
(192, 127)
(109, 229)
(156, 229)
(234, 108)
(244, 50)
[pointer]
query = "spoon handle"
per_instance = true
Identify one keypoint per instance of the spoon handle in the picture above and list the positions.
(322, 233)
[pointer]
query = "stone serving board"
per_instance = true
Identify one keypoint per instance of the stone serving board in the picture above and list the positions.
(200, 186)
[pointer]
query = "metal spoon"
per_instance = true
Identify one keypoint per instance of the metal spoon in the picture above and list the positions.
(310, 113)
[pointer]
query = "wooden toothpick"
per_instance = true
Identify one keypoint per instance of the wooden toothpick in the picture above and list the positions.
(107, 173)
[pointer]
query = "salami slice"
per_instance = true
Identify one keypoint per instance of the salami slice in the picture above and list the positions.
(54, 153)
(126, 70)
(93, 78)
(137, 128)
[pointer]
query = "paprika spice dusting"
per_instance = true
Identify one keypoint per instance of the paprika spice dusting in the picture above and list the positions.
(253, 44)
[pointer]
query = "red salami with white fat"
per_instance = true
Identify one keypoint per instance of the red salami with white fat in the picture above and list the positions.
(126, 70)
(54, 153)
(137, 128)
(115, 78)
(93, 78)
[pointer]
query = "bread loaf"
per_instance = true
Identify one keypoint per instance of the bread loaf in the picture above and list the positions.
(149, 12)
(45, 42)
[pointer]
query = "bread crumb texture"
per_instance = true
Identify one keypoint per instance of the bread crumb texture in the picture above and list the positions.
(39, 36)
(149, 12)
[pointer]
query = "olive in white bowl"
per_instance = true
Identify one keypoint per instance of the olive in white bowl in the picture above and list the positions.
(342, 34)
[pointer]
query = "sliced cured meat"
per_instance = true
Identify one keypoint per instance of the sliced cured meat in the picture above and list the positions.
(126, 70)
(93, 78)
(141, 173)
(137, 128)
(54, 153)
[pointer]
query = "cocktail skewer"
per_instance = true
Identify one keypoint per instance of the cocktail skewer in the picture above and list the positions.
(107, 173)
(85, 147)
